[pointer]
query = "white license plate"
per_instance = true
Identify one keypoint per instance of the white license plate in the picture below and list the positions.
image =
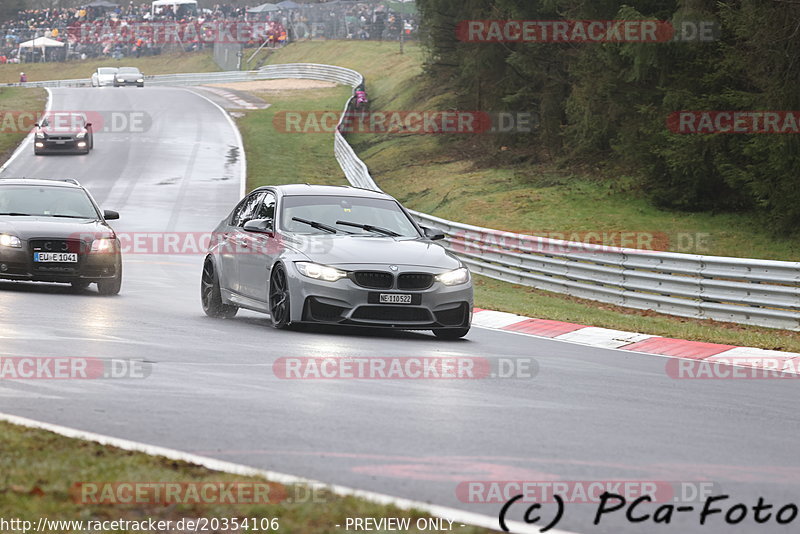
(61, 142)
(55, 257)
(392, 298)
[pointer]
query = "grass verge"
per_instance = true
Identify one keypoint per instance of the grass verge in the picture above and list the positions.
(274, 157)
(39, 471)
(442, 178)
(17, 99)
(161, 64)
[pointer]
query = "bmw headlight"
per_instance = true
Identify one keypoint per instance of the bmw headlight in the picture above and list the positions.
(7, 240)
(319, 272)
(454, 278)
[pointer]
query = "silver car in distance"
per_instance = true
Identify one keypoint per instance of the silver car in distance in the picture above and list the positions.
(334, 255)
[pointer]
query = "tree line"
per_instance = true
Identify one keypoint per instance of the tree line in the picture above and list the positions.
(617, 100)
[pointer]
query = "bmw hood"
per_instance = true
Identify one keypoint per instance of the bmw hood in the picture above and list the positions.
(53, 228)
(343, 251)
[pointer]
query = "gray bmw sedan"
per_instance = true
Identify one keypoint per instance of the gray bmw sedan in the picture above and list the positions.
(335, 255)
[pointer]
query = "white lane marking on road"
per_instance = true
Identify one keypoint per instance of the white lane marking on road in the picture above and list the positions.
(457, 516)
(28, 138)
(239, 143)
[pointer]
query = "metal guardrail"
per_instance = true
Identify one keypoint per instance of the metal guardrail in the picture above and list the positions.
(307, 71)
(739, 290)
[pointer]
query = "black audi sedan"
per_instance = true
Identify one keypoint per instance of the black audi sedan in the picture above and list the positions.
(53, 231)
(63, 132)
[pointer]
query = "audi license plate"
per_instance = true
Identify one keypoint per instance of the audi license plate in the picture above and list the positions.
(55, 257)
(394, 298)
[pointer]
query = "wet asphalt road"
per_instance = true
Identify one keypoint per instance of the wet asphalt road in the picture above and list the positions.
(589, 415)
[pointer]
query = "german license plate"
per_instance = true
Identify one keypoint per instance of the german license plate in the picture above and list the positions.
(394, 298)
(61, 142)
(55, 257)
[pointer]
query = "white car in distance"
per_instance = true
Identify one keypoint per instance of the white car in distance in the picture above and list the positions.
(104, 76)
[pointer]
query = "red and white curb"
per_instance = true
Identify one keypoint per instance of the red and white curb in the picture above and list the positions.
(784, 362)
(239, 103)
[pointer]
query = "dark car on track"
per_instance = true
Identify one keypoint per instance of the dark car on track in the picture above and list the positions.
(62, 132)
(53, 231)
(335, 255)
(128, 76)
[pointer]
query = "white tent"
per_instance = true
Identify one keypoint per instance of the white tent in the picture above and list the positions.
(39, 42)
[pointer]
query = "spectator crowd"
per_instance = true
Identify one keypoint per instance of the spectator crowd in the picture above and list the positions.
(107, 29)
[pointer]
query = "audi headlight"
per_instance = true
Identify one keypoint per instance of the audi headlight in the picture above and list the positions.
(104, 245)
(7, 240)
(319, 272)
(454, 278)
(39, 135)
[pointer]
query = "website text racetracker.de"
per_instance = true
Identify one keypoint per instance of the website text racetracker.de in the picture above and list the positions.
(403, 368)
(71, 368)
(104, 121)
(150, 525)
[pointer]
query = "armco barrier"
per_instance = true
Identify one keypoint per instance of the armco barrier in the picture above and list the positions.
(739, 290)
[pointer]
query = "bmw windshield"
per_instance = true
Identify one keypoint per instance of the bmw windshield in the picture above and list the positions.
(317, 214)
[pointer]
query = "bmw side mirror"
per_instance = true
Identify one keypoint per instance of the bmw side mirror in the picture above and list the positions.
(432, 233)
(258, 226)
(110, 215)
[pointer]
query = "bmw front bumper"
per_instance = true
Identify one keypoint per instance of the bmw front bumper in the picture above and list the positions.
(347, 302)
